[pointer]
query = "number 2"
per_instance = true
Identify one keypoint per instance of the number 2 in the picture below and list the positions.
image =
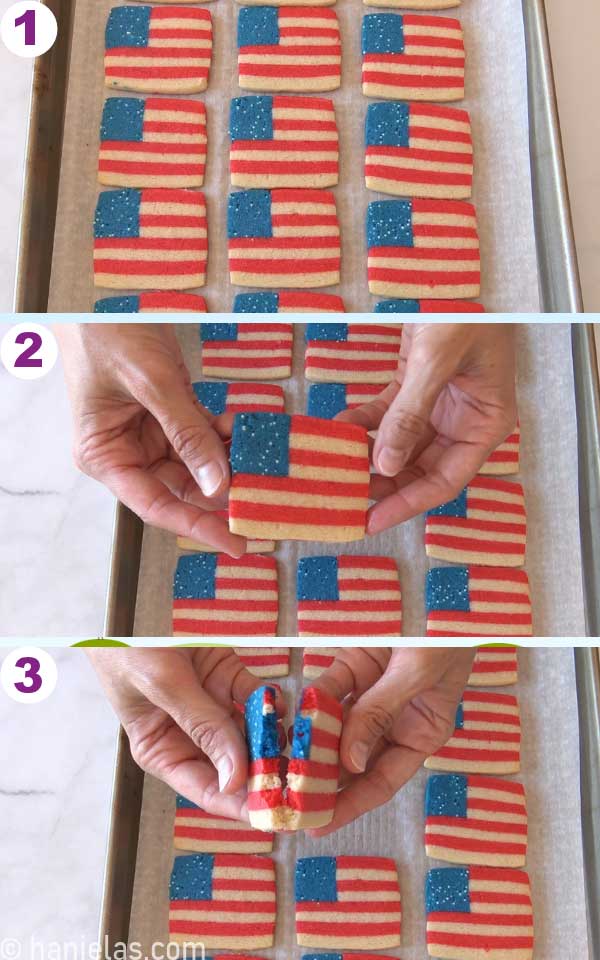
(28, 19)
(27, 358)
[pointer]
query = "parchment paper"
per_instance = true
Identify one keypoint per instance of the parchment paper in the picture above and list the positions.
(548, 474)
(550, 772)
(496, 95)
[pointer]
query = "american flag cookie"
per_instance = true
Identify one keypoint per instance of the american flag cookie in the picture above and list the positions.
(347, 903)
(248, 351)
(223, 900)
(307, 799)
(252, 546)
(494, 666)
(504, 460)
(283, 238)
(487, 736)
(326, 400)
(157, 142)
(248, 397)
(216, 595)
(167, 302)
(283, 141)
(265, 661)
(477, 601)
(417, 4)
(298, 478)
(158, 49)
(418, 150)
(486, 525)
(289, 49)
(352, 352)
(202, 832)
(288, 301)
(479, 913)
(475, 820)
(410, 57)
(315, 660)
(348, 596)
(423, 248)
(428, 306)
(150, 239)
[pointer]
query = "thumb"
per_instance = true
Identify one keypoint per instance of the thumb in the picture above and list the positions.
(372, 717)
(407, 418)
(189, 431)
(208, 724)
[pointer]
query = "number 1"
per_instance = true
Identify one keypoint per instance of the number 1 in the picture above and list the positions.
(28, 19)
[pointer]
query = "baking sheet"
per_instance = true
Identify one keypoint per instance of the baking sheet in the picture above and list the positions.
(550, 772)
(496, 95)
(548, 473)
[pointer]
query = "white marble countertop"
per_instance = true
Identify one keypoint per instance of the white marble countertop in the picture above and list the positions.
(55, 788)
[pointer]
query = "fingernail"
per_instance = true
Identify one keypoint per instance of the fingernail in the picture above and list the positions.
(359, 754)
(388, 462)
(224, 771)
(210, 478)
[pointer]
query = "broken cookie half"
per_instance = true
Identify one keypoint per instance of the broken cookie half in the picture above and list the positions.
(306, 798)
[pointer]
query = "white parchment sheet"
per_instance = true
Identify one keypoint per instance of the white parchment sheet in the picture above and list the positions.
(550, 772)
(496, 96)
(548, 474)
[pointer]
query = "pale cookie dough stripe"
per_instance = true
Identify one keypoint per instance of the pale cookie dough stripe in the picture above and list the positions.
(504, 459)
(265, 661)
(317, 659)
(495, 667)
(196, 829)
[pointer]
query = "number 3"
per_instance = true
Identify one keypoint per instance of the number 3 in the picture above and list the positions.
(31, 666)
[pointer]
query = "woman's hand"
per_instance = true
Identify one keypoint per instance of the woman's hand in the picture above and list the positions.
(452, 402)
(181, 712)
(404, 710)
(140, 430)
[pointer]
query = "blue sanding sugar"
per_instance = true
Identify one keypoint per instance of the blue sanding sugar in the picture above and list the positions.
(447, 890)
(446, 795)
(315, 880)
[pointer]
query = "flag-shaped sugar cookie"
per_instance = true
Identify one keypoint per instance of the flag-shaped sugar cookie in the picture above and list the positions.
(416, 4)
(408, 57)
(315, 660)
(428, 306)
(485, 524)
(504, 460)
(248, 351)
(481, 913)
(252, 546)
(326, 400)
(219, 397)
(352, 352)
(423, 248)
(285, 238)
(298, 478)
(487, 736)
(288, 301)
(477, 601)
(158, 142)
(150, 238)
(494, 667)
(347, 903)
(308, 798)
(283, 141)
(348, 596)
(207, 909)
(418, 150)
(203, 832)
(216, 595)
(152, 303)
(158, 49)
(288, 49)
(475, 820)
(265, 661)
